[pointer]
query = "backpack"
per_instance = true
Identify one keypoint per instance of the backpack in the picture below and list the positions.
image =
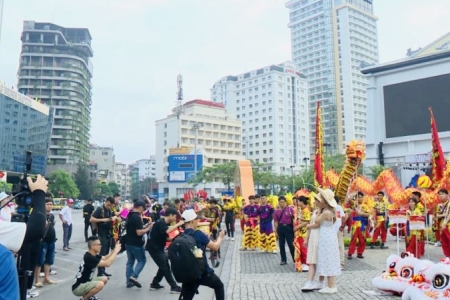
(185, 266)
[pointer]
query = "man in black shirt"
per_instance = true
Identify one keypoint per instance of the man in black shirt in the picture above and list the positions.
(47, 252)
(88, 209)
(84, 284)
(155, 247)
(135, 243)
(104, 219)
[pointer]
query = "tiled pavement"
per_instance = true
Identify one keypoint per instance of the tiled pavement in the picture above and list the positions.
(253, 275)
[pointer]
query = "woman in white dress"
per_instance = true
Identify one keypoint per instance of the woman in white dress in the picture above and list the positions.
(312, 241)
(328, 263)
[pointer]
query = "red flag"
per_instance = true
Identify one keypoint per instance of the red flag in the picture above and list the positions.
(318, 161)
(437, 158)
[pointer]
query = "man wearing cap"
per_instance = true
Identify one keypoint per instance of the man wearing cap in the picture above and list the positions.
(66, 218)
(5, 212)
(209, 278)
(135, 243)
(155, 247)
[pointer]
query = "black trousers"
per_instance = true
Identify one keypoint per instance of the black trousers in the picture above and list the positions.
(160, 259)
(286, 235)
(229, 223)
(105, 240)
(87, 224)
(188, 290)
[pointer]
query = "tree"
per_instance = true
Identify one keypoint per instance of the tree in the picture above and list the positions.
(102, 189)
(142, 187)
(62, 182)
(335, 162)
(375, 171)
(114, 188)
(223, 173)
(5, 187)
(83, 182)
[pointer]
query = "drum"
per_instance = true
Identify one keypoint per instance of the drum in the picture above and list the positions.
(203, 226)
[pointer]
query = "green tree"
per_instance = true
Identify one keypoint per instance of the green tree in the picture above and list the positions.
(375, 171)
(223, 173)
(61, 181)
(83, 182)
(102, 190)
(114, 188)
(335, 162)
(5, 187)
(142, 187)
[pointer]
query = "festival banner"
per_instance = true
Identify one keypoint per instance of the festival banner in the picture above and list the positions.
(397, 216)
(3, 175)
(437, 158)
(416, 222)
(319, 164)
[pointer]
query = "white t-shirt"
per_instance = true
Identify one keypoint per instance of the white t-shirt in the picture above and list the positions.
(5, 213)
(12, 234)
(66, 214)
(339, 214)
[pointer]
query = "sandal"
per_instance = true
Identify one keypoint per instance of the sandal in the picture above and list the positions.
(50, 282)
(38, 284)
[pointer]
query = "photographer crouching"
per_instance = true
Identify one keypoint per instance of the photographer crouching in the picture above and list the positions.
(22, 238)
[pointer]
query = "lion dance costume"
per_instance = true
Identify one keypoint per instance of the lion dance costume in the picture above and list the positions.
(301, 215)
(251, 227)
(267, 239)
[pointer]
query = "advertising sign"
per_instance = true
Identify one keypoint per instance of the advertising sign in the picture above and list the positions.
(182, 166)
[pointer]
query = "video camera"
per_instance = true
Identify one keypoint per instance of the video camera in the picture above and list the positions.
(21, 191)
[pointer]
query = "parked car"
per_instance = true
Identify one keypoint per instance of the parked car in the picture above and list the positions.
(59, 203)
(78, 204)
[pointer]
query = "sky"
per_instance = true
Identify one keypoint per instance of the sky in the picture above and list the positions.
(140, 46)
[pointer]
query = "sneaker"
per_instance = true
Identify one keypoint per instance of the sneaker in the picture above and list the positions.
(305, 268)
(438, 244)
(41, 274)
(232, 239)
(274, 252)
(135, 282)
(382, 246)
(175, 290)
(52, 272)
(372, 245)
(349, 256)
(94, 298)
(360, 256)
(32, 294)
(308, 287)
(328, 290)
(155, 287)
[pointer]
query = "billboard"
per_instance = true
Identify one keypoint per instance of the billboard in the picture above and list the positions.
(182, 166)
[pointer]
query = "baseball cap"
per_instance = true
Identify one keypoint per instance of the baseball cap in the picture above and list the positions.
(3, 195)
(69, 200)
(189, 215)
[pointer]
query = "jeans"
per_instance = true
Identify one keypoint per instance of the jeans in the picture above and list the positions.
(67, 229)
(105, 240)
(160, 259)
(229, 223)
(211, 280)
(286, 235)
(134, 253)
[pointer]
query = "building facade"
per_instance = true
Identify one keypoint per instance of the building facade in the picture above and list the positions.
(25, 125)
(204, 127)
(123, 179)
(399, 95)
(331, 41)
(105, 160)
(56, 68)
(272, 103)
(147, 168)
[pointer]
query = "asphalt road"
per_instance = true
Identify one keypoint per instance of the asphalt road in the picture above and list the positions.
(66, 263)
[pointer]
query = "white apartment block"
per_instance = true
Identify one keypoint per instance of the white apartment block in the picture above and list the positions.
(123, 179)
(331, 41)
(105, 160)
(146, 168)
(219, 136)
(272, 103)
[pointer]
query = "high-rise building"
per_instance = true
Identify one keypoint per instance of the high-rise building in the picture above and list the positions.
(123, 179)
(198, 127)
(272, 103)
(331, 41)
(55, 67)
(24, 126)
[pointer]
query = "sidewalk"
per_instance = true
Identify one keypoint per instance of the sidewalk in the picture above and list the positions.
(254, 275)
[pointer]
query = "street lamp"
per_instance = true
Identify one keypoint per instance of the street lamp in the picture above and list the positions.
(293, 180)
(305, 159)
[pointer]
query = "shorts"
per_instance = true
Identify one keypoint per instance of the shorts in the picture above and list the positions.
(86, 287)
(47, 255)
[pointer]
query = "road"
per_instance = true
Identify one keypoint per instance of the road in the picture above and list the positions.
(247, 275)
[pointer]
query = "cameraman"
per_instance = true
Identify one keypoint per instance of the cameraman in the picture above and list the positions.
(23, 236)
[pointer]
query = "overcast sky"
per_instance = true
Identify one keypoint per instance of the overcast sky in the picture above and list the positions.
(140, 46)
